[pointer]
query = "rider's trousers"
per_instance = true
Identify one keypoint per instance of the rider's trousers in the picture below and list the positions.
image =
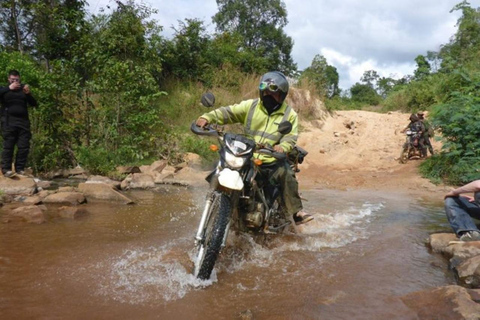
(285, 177)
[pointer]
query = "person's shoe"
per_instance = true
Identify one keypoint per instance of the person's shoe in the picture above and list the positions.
(302, 217)
(21, 173)
(470, 236)
(9, 174)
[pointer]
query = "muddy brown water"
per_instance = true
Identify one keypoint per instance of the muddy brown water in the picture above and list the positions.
(364, 250)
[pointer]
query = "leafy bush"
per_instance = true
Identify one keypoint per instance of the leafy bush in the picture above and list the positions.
(459, 122)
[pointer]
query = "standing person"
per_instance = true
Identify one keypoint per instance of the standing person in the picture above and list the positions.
(15, 99)
(428, 131)
(461, 210)
(261, 118)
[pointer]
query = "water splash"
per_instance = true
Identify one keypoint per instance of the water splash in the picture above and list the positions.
(150, 275)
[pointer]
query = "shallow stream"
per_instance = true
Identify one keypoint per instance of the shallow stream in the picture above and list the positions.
(364, 250)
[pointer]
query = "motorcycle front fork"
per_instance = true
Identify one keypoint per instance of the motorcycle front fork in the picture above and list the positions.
(205, 217)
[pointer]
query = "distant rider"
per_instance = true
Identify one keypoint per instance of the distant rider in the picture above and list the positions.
(427, 133)
(261, 118)
(417, 126)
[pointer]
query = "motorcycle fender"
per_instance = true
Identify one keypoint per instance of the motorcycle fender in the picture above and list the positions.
(230, 179)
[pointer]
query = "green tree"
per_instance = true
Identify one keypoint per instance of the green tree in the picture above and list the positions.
(385, 85)
(464, 46)
(370, 78)
(423, 67)
(364, 93)
(59, 25)
(185, 56)
(323, 76)
(17, 24)
(260, 25)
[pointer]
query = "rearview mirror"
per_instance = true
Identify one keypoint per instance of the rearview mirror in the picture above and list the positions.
(208, 99)
(285, 127)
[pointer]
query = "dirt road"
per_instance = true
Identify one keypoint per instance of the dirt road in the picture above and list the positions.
(360, 150)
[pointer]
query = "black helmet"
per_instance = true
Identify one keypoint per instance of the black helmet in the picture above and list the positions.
(274, 81)
(413, 117)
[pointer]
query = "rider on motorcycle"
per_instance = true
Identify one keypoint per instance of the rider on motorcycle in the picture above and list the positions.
(417, 126)
(261, 118)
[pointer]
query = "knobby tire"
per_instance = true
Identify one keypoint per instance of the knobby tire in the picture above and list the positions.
(213, 241)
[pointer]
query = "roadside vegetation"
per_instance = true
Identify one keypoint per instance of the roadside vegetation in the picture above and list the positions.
(113, 91)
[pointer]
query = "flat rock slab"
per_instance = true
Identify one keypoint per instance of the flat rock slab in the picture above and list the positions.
(18, 185)
(102, 191)
(65, 197)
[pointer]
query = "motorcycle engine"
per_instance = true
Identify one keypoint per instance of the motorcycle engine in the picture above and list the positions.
(255, 219)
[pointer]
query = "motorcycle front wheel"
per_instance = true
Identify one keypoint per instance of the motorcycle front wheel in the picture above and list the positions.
(215, 230)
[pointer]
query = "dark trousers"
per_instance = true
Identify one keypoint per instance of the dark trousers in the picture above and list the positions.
(284, 176)
(21, 138)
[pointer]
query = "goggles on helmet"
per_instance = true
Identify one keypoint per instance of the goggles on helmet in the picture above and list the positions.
(272, 87)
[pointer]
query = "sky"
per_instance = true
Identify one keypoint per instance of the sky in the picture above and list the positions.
(353, 35)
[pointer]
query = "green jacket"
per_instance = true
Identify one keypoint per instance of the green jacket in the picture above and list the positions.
(258, 124)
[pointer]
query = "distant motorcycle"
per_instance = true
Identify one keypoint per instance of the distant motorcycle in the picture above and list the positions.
(240, 197)
(411, 147)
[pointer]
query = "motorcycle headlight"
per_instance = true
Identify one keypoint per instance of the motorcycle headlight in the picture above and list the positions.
(234, 162)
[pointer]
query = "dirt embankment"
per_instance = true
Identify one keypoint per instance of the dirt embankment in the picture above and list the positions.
(360, 150)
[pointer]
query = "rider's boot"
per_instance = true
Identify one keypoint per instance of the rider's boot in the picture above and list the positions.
(302, 217)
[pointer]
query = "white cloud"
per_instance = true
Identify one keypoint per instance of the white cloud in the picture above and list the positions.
(354, 36)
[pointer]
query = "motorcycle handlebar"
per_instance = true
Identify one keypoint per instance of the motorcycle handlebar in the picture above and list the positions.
(205, 131)
(276, 155)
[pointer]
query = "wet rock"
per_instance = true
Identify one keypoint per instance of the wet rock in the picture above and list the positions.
(32, 214)
(158, 166)
(469, 272)
(125, 184)
(71, 212)
(32, 200)
(128, 169)
(450, 302)
(104, 180)
(42, 194)
(188, 176)
(439, 241)
(101, 191)
(44, 184)
(18, 185)
(141, 181)
(167, 173)
(73, 198)
(66, 189)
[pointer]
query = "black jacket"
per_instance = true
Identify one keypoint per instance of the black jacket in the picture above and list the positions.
(14, 109)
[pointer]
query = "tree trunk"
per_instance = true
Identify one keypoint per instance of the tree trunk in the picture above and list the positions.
(17, 30)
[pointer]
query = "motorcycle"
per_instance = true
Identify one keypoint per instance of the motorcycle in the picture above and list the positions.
(240, 196)
(411, 147)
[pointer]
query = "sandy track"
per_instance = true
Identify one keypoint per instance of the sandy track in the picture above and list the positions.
(359, 149)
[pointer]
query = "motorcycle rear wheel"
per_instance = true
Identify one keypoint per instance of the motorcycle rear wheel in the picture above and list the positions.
(214, 234)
